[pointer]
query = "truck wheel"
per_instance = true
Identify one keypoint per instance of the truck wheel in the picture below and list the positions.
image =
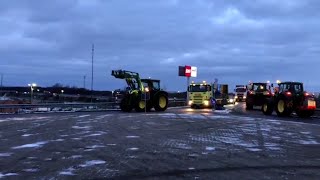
(140, 106)
(267, 108)
(161, 102)
(125, 105)
(281, 108)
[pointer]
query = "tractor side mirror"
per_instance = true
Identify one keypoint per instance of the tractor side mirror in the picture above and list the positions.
(271, 85)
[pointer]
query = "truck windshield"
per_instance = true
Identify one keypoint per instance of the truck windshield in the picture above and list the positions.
(240, 90)
(199, 88)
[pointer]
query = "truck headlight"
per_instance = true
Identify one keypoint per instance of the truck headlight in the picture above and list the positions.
(206, 103)
(231, 100)
(190, 103)
(244, 97)
(236, 97)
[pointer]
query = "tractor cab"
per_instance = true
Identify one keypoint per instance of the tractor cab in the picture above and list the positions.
(151, 84)
(289, 97)
(257, 94)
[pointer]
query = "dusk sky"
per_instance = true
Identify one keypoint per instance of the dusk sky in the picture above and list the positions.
(49, 42)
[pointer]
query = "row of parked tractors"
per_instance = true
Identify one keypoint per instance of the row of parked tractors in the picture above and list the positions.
(282, 97)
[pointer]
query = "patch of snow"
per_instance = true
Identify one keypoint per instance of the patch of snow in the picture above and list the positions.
(82, 116)
(191, 168)
(33, 145)
(79, 127)
(208, 148)
(58, 140)
(310, 141)
(133, 149)
(95, 146)
(306, 133)
(5, 154)
(254, 149)
(48, 159)
(67, 172)
(76, 156)
(27, 135)
(88, 150)
(30, 170)
(76, 138)
(111, 144)
(132, 136)
(226, 111)
(8, 174)
(96, 134)
(274, 148)
(92, 163)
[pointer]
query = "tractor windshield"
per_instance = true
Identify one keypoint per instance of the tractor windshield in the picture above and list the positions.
(291, 87)
(259, 87)
(199, 88)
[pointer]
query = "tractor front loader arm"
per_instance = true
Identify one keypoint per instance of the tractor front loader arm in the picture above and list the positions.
(132, 79)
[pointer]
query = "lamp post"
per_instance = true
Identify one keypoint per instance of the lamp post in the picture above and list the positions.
(31, 90)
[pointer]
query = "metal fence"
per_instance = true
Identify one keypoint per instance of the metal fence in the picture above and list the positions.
(68, 107)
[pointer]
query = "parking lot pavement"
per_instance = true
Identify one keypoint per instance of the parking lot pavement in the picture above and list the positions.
(178, 143)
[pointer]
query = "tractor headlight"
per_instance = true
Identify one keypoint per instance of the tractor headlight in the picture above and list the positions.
(231, 100)
(206, 103)
(190, 103)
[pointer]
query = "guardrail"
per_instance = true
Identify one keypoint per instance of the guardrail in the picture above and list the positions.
(69, 107)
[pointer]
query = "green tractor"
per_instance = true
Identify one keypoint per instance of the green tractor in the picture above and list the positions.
(289, 97)
(141, 94)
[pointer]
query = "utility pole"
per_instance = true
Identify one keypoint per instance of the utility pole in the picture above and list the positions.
(92, 71)
(84, 81)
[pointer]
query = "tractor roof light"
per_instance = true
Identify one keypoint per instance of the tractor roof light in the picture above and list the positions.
(278, 81)
(146, 89)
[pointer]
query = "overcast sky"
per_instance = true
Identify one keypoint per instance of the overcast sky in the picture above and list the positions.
(236, 41)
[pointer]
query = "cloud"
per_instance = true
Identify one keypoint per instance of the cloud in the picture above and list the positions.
(49, 42)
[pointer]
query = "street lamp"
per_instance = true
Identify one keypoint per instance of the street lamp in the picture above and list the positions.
(31, 90)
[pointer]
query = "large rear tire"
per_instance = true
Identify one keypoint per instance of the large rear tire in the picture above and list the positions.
(267, 108)
(125, 105)
(161, 102)
(282, 109)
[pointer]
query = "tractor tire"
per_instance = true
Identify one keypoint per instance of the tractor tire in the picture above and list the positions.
(140, 106)
(267, 108)
(281, 108)
(161, 102)
(125, 105)
(305, 113)
(249, 106)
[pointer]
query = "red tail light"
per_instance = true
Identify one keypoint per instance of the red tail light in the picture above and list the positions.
(306, 94)
(288, 93)
(251, 92)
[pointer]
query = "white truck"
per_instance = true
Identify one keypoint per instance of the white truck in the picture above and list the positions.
(240, 93)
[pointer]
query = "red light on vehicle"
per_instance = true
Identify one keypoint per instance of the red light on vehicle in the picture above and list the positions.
(306, 94)
(288, 93)
(251, 92)
(268, 93)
